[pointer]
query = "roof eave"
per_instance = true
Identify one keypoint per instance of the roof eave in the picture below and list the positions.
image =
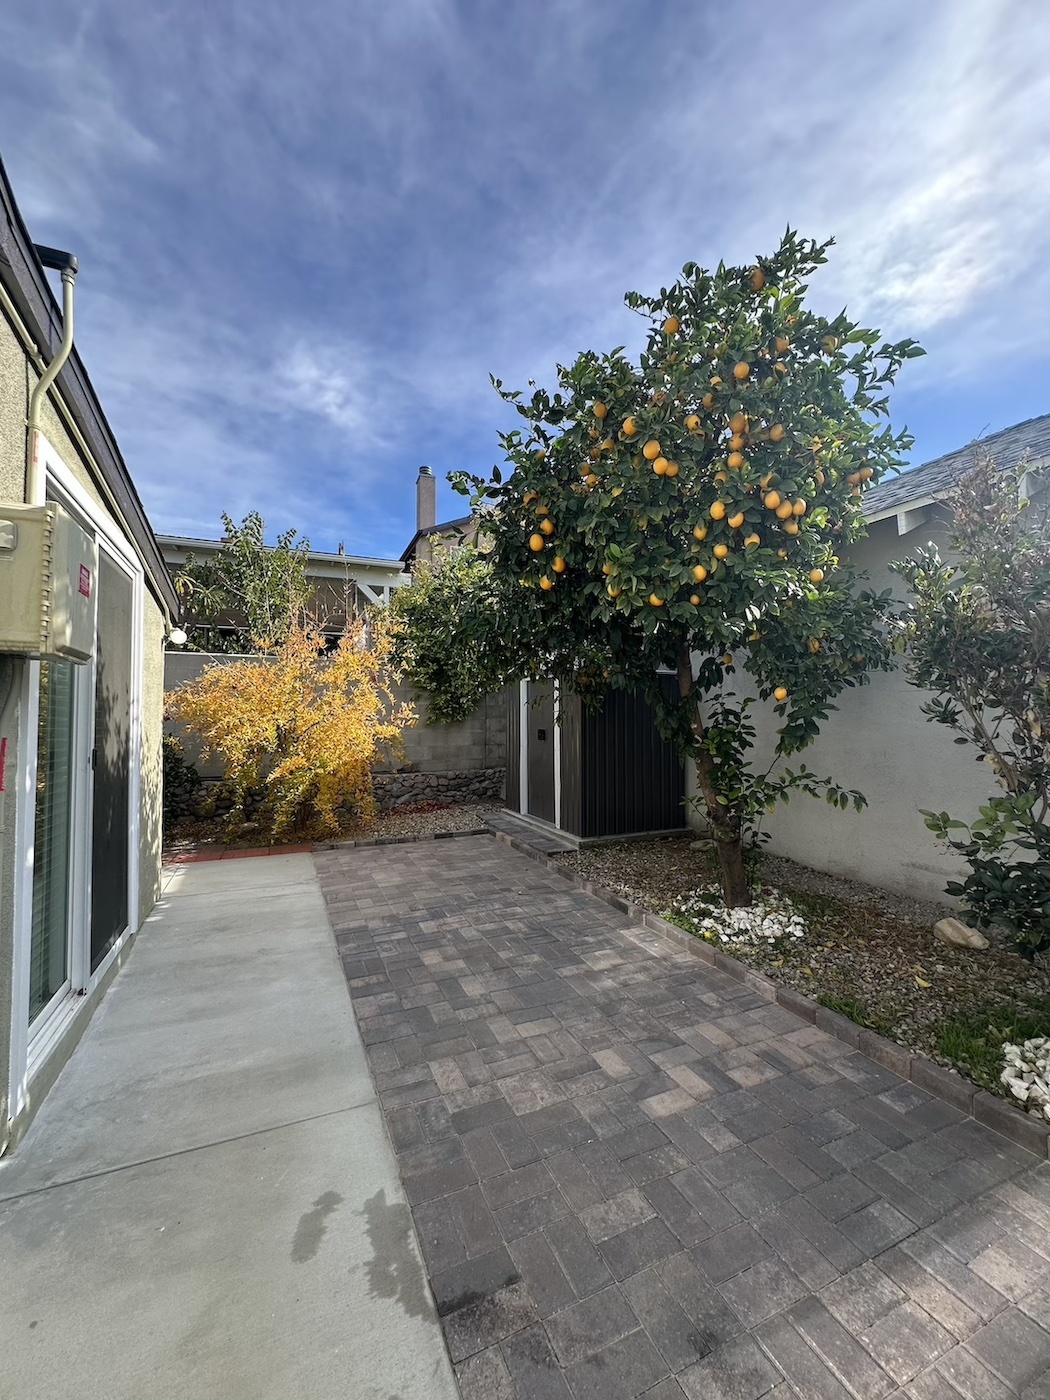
(31, 292)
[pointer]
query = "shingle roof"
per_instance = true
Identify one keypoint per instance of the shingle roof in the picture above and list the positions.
(934, 478)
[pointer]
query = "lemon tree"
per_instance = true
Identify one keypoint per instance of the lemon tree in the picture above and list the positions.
(692, 511)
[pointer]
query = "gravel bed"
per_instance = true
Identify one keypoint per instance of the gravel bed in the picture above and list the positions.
(429, 819)
(865, 945)
(421, 819)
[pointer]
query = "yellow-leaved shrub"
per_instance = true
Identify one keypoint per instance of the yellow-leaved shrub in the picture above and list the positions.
(300, 730)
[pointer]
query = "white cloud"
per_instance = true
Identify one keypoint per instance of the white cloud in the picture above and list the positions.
(307, 239)
(331, 383)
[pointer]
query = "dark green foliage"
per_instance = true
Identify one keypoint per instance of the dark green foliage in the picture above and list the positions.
(248, 597)
(450, 639)
(978, 636)
(181, 783)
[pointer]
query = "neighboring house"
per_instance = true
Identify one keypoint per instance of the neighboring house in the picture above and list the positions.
(80, 731)
(431, 535)
(878, 740)
(341, 584)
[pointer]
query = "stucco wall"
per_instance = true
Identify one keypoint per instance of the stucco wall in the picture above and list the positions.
(478, 742)
(13, 408)
(16, 378)
(879, 741)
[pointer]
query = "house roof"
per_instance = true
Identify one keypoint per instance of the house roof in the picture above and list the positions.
(440, 529)
(932, 480)
(25, 281)
(318, 562)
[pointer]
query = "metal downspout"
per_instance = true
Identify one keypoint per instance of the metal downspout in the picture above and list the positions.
(36, 493)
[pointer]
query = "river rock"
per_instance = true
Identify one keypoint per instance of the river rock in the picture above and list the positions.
(961, 935)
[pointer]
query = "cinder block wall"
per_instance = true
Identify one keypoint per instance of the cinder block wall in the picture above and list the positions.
(476, 743)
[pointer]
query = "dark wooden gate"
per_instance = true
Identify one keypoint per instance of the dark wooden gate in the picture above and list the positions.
(538, 719)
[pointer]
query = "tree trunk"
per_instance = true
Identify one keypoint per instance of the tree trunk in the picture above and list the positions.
(725, 824)
(735, 889)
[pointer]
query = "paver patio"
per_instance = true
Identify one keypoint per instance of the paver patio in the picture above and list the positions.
(631, 1175)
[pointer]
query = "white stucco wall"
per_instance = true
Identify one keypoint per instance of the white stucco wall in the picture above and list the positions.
(16, 378)
(879, 741)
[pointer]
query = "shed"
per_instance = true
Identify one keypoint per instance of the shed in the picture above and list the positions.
(591, 772)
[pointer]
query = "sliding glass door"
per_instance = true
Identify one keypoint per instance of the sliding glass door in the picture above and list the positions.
(49, 954)
(110, 819)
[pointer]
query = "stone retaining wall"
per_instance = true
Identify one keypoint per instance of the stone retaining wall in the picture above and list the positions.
(392, 790)
(411, 786)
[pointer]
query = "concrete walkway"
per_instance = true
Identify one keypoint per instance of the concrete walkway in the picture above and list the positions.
(632, 1176)
(207, 1205)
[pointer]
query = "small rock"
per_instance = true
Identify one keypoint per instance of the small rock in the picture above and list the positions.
(961, 935)
(702, 843)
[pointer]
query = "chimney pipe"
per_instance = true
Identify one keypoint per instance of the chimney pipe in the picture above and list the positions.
(426, 499)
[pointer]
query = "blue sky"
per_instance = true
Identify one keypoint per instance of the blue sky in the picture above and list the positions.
(308, 233)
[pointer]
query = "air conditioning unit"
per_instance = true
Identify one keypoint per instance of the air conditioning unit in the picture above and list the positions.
(48, 575)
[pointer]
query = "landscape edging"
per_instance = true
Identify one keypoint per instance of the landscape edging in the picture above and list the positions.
(401, 840)
(1023, 1129)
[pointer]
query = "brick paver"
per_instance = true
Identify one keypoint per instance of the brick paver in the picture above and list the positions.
(631, 1175)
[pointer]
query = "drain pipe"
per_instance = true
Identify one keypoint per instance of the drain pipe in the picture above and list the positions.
(67, 265)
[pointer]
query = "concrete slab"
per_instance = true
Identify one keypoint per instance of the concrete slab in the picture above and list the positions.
(207, 1204)
(239, 1020)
